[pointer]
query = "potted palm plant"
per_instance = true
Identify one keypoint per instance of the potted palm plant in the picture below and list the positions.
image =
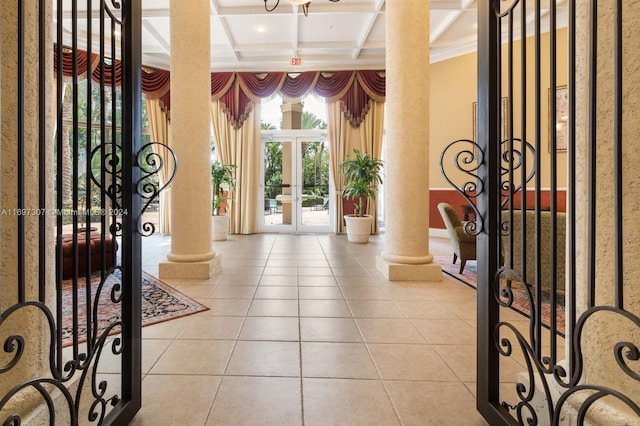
(223, 180)
(362, 174)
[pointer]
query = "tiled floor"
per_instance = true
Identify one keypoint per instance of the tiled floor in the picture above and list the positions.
(304, 330)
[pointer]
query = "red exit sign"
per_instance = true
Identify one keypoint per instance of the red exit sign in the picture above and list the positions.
(296, 62)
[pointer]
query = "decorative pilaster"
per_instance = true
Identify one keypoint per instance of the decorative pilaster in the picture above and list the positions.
(406, 256)
(603, 331)
(191, 254)
(27, 323)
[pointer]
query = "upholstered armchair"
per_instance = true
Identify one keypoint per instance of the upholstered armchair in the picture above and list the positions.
(463, 244)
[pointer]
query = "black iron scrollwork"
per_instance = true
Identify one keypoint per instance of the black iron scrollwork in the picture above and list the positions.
(109, 179)
(512, 160)
(153, 159)
(467, 156)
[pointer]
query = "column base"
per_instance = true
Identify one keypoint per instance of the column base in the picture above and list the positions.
(195, 270)
(405, 272)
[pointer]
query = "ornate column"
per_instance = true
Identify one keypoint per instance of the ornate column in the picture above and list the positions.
(406, 255)
(191, 254)
(28, 323)
(604, 330)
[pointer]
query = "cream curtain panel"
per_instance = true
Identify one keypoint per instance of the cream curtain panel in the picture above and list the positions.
(241, 147)
(159, 129)
(343, 139)
(371, 135)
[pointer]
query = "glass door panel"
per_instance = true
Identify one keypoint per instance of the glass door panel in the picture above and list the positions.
(296, 185)
(278, 176)
(314, 190)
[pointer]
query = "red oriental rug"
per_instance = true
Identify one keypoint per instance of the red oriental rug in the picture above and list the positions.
(520, 299)
(160, 302)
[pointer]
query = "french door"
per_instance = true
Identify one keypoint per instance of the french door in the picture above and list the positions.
(296, 184)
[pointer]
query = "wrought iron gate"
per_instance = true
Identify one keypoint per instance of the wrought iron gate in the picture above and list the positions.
(571, 86)
(72, 193)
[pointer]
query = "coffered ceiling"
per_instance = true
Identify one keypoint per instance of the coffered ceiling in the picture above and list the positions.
(349, 34)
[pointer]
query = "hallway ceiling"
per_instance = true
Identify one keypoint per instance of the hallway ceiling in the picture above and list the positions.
(349, 34)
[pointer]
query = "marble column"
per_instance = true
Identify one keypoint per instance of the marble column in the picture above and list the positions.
(29, 323)
(604, 330)
(406, 256)
(191, 253)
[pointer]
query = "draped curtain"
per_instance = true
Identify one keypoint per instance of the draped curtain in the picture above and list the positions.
(371, 135)
(355, 102)
(159, 129)
(240, 146)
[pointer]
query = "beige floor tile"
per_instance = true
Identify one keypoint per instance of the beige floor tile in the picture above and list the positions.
(241, 280)
(165, 330)
(410, 362)
(465, 310)
(208, 357)
(243, 262)
(236, 271)
(398, 292)
(320, 293)
(461, 359)
(358, 271)
(360, 281)
(426, 310)
(279, 280)
(340, 262)
(212, 328)
(314, 272)
(282, 263)
(281, 270)
(337, 360)
(251, 358)
(446, 332)
(276, 292)
(233, 292)
(375, 309)
(226, 307)
(196, 291)
(311, 263)
(162, 395)
(152, 349)
(329, 330)
(324, 308)
(270, 328)
(273, 308)
(429, 403)
(306, 281)
(365, 293)
(375, 330)
(346, 402)
(257, 401)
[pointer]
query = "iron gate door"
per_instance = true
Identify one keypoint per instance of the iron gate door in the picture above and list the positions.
(553, 189)
(72, 190)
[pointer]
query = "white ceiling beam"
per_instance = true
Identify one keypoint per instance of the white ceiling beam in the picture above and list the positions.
(368, 28)
(295, 31)
(229, 41)
(156, 36)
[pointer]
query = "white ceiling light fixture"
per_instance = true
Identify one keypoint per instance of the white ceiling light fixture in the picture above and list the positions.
(304, 3)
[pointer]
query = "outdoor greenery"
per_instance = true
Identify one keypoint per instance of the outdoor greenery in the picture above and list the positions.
(87, 136)
(362, 175)
(315, 163)
(223, 179)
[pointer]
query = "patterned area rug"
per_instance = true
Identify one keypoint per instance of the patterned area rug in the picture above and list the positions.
(160, 302)
(521, 300)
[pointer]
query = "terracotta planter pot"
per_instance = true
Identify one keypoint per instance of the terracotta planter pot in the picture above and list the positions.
(358, 228)
(219, 227)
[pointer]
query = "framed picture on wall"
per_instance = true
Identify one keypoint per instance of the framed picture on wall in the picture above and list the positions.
(560, 127)
(503, 109)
